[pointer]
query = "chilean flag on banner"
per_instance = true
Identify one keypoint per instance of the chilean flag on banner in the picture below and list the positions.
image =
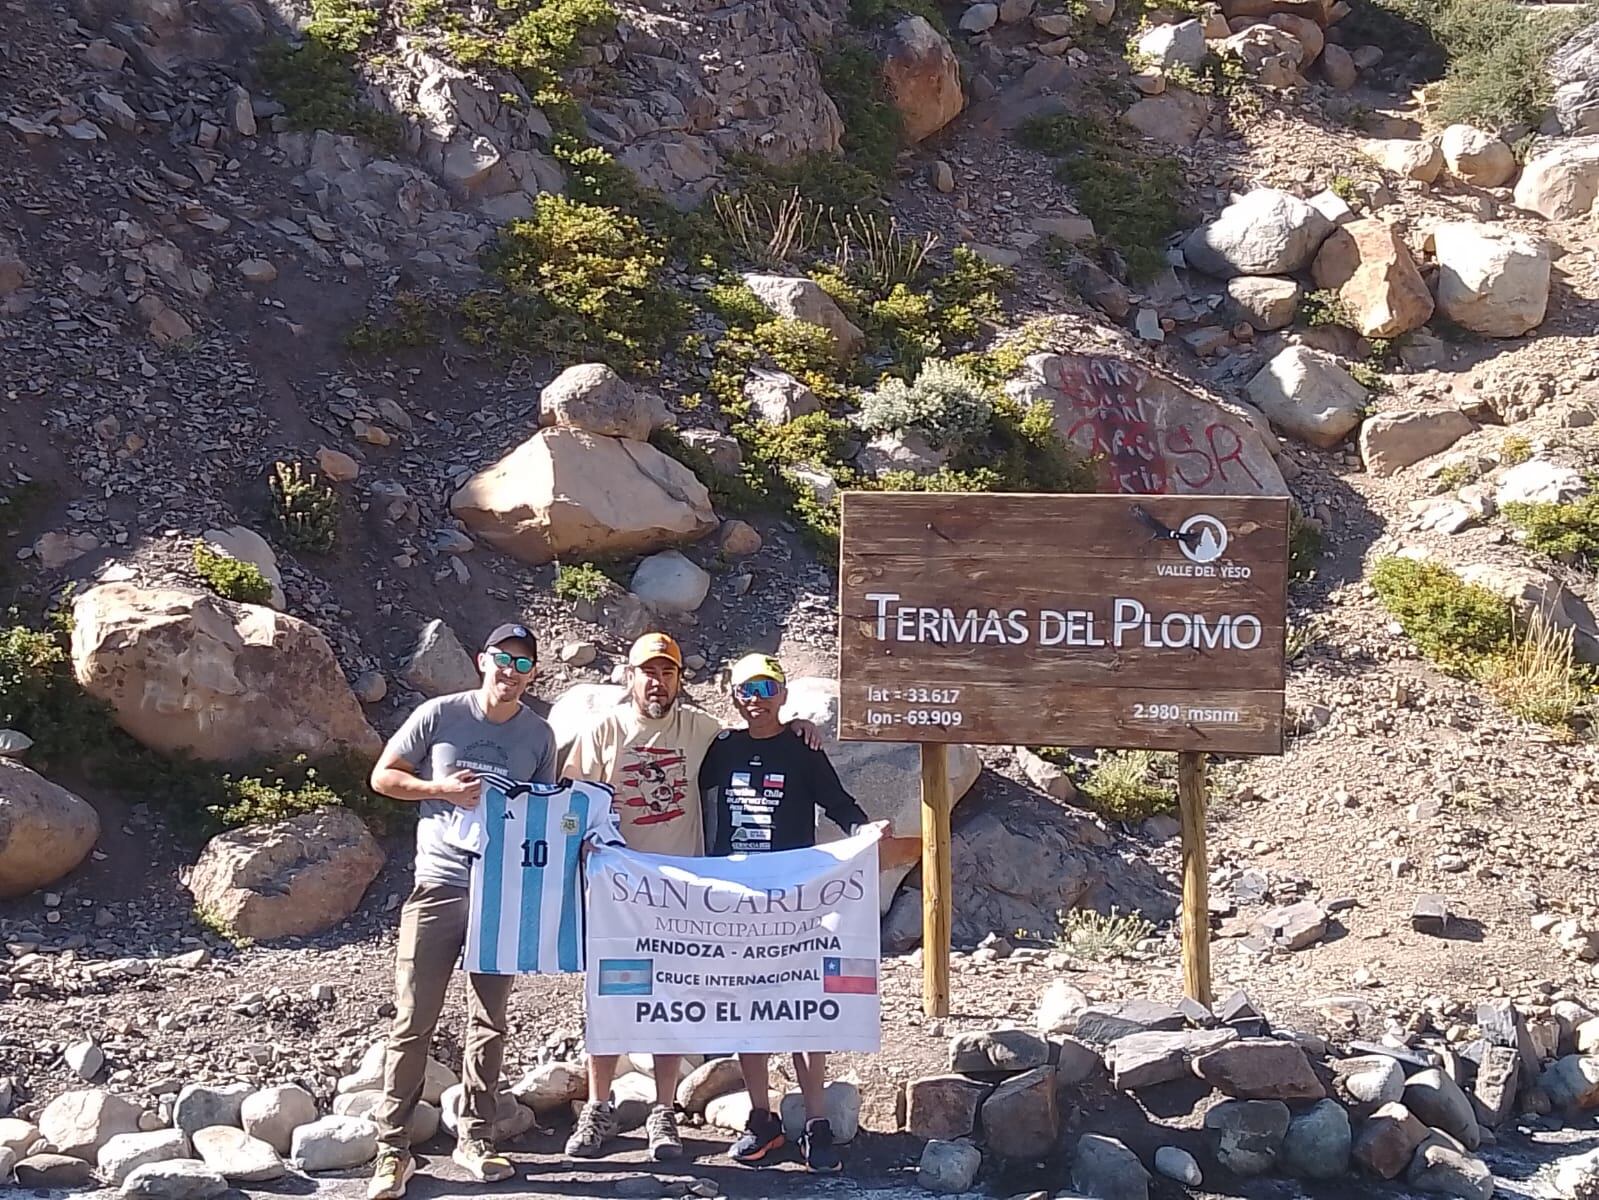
(854, 976)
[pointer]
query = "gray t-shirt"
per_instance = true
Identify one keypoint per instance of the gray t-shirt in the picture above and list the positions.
(449, 733)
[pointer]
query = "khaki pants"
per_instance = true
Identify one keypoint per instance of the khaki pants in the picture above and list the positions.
(432, 931)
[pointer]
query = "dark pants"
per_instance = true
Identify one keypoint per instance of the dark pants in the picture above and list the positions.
(432, 931)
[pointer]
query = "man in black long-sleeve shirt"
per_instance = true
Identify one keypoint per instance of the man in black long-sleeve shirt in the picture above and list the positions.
(760, 792)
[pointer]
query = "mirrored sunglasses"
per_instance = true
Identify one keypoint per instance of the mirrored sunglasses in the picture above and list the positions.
(524, 666)
(765, 689)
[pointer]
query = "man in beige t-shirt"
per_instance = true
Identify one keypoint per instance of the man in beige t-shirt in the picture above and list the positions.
(649, 749)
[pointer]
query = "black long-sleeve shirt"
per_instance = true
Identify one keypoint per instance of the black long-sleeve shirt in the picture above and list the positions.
(762, 794)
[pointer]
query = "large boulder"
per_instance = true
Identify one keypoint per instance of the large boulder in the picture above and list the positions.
(293, 877)
(1368, 266)
(1563, 182)
(1020, 1119)
(79, 1123)
(1178, 45)
(1265, 301)
(439, 664)
(1266, 232)
(274, 1113)
(1392, 441)
(801, 299)
(1270, 54)
(45, 830)
(1176, 116)
(886, 777)
(1576, 106)
(1148, 434)
(923, 77)
(1491, 280)
(579, 707)
(1477, 157)
(671, 582)
(594, 398)
(188, 672)
(567, 494)
(1404, 157)
(1308, 395)
(1532, 591)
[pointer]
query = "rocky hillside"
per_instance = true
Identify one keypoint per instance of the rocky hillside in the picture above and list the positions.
(335, 335)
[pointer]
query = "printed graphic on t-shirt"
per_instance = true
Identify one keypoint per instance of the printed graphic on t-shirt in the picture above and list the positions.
(752, 799)
(482, 756)
(652, 785)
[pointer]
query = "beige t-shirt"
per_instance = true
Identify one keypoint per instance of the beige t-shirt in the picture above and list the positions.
(654, 766)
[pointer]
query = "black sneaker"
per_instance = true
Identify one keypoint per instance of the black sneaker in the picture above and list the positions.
(761, 1139)
(816, 1144)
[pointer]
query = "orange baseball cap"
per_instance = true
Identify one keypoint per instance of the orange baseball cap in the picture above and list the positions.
(654, 645)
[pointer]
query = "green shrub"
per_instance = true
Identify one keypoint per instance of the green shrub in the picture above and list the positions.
(1324, 307)
(231, 578)
(947, 404)
(1099, 938)
(1130, 195)
(581, 280)
(409, 324)
(1123, 785)
(534, 38)
(1452, 622)
(873, 128)
(836, 185)
(766, 234)
(305, 508)
(874, 251)
(1515, 450)
(1344, 188)
(584, 581)
(1537, 678)
(1304, 545)
(1456, 475)
(868, 14)
(40, 697)
(736, 304)
(1565, 531)
(1492, 55)
(316, 82)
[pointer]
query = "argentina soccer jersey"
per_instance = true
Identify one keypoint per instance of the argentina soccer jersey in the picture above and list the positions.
(525, 914)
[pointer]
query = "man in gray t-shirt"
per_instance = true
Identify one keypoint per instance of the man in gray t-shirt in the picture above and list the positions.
(435, 760)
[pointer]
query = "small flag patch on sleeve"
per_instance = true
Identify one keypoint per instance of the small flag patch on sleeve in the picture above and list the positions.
(626, 976)
(850, 976)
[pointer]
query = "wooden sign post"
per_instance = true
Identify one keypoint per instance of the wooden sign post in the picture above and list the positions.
(1195, 927)
(1113, 621)
(937, 902)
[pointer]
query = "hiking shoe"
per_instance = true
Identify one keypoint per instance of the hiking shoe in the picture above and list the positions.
(816, 1144)
(482, 1161)
(596, 1125)
(661, 1129)
(762, 1138)
(390, 1174)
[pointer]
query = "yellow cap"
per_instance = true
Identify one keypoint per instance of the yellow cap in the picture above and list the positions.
(757, 666)
(654, 645)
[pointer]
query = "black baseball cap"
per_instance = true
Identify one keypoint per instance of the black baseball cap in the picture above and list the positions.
(506, 633)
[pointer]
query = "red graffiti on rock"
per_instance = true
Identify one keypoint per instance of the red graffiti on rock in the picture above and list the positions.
(1107, 417)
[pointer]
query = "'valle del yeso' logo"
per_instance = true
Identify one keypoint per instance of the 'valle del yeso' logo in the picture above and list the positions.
(1203, 538)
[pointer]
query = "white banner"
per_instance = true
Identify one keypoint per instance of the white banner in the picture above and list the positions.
(760, 953)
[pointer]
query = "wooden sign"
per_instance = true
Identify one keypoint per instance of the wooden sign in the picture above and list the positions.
(1111, 621)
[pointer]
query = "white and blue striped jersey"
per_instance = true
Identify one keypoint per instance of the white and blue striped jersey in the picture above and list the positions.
(525, 907)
